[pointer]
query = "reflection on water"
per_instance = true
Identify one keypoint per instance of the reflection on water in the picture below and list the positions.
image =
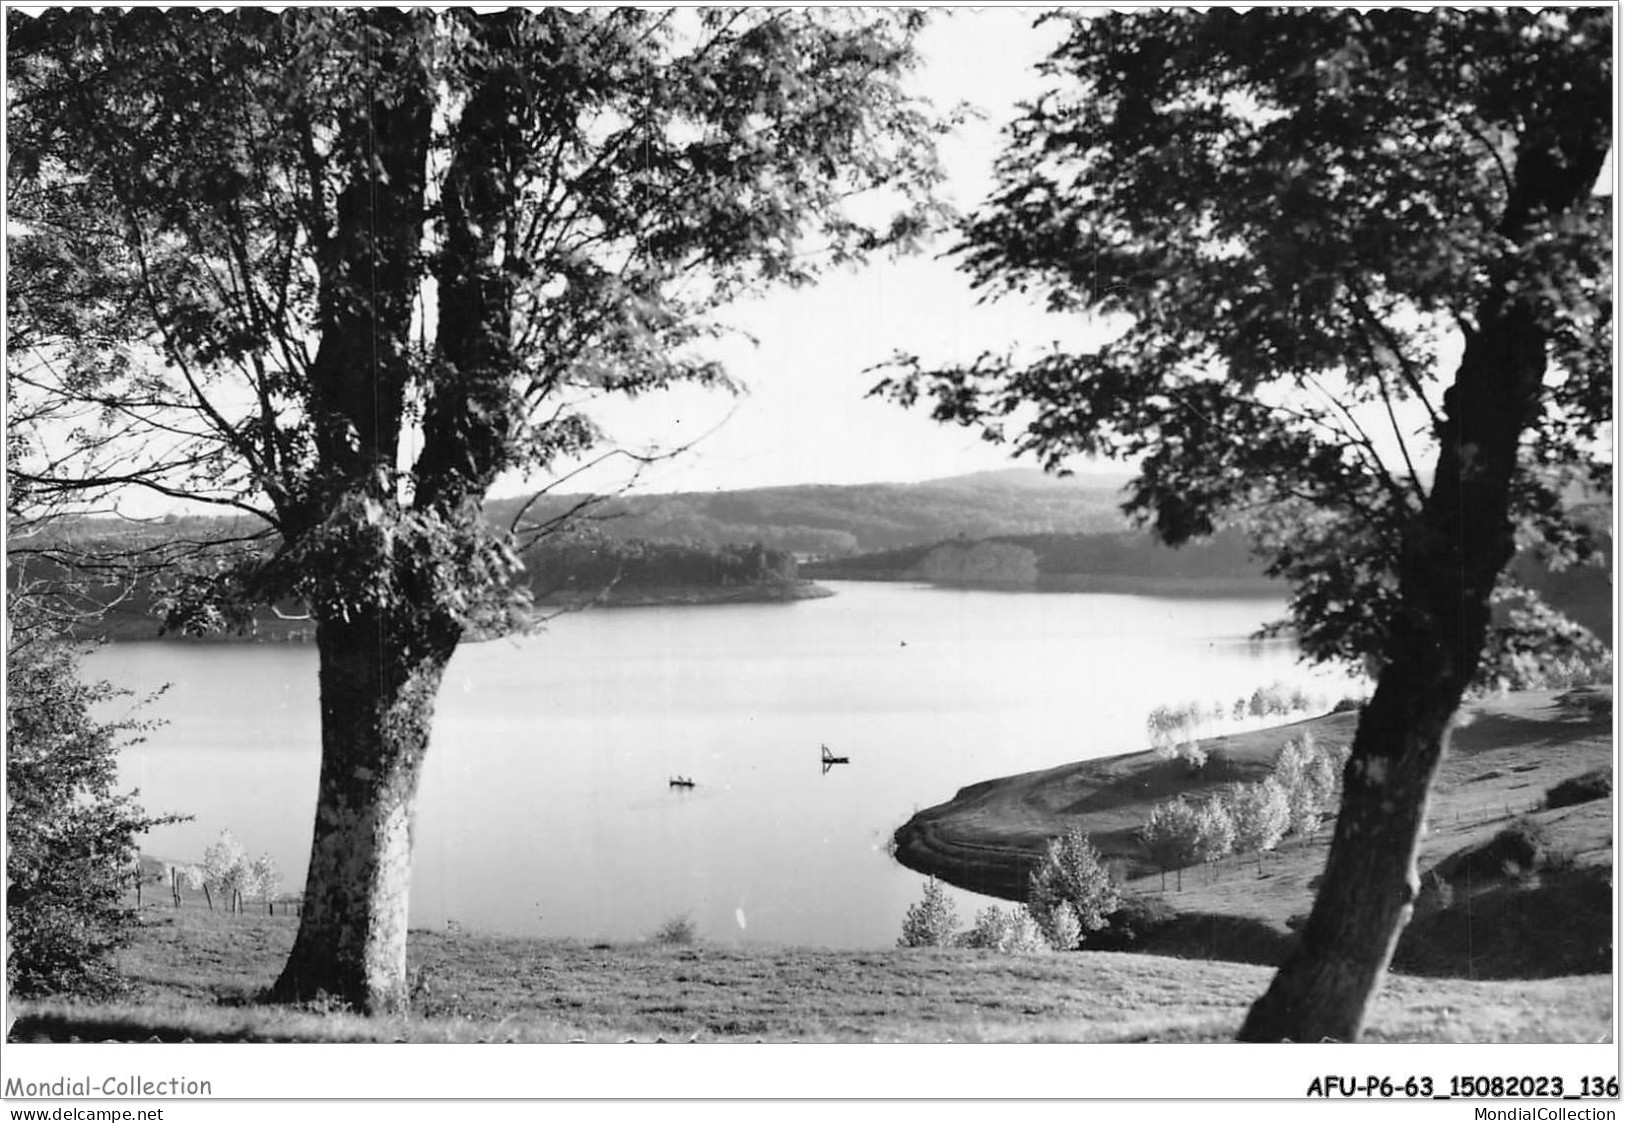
(546, 806)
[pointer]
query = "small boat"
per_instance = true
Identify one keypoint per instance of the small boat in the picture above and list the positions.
(681, 782)
(830, 759)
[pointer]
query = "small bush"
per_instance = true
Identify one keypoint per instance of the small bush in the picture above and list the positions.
(931, 921)
(1062, 928)
(1596, 784)
(679, 931)
(1008, 931)
(1137, 916)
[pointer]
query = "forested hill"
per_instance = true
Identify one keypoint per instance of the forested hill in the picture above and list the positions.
(830, 520)
(1133, 562)
(1126, 561)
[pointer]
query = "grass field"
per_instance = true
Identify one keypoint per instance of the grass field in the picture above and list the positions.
(195, 974)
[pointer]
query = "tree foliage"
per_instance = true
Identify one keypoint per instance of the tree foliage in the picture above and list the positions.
(1071, 892)
(1286, 216)
(931, 921)
(1261, 814)
(571, 198)
(1330, 246)
(71, 835)
(1169, 833)
(1308, 773)
(341, 269)
(1006, 930)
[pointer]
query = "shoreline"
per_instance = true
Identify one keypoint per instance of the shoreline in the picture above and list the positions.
(126, 628)
(677, 595)
(1121, 584)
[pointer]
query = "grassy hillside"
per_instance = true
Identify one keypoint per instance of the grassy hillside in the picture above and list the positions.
(1114, 561)
(835, 520)
(1539, 904)
(195, 972)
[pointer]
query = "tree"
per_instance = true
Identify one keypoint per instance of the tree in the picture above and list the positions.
(1071, 892)
(1261, 814)
(226, 869)
(1328, 244)
(264, 879)
(931, 921)
(342, 269)
(1215, 829)
(70, 835)
(1307, 773)
(1169, 833)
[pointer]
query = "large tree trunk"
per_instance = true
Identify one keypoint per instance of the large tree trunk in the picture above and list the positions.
(377, 703)
(1452, 555)
(1456, 549)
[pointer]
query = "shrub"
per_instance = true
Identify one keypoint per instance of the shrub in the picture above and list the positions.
(1137, 916)
(931, 921)
(1071, 875)
(1008, 931)
(1596, 784)
(71, 838)
(678, 931)
(1063, 928)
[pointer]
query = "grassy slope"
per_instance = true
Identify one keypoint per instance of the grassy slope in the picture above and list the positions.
(988, 836)
(194, 972)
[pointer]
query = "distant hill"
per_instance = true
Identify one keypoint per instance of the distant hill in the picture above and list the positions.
(829, 520)
(1112, 561)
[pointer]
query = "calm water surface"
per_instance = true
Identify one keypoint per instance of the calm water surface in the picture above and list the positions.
(545, 808)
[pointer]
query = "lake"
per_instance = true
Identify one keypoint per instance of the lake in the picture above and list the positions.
(545, 807)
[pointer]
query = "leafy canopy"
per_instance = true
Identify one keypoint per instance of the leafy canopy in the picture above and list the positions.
(1288, 219)
(340, 269)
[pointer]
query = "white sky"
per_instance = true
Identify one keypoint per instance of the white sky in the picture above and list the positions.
(805, 417)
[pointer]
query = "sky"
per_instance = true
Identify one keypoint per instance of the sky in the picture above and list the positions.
(805, 417)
